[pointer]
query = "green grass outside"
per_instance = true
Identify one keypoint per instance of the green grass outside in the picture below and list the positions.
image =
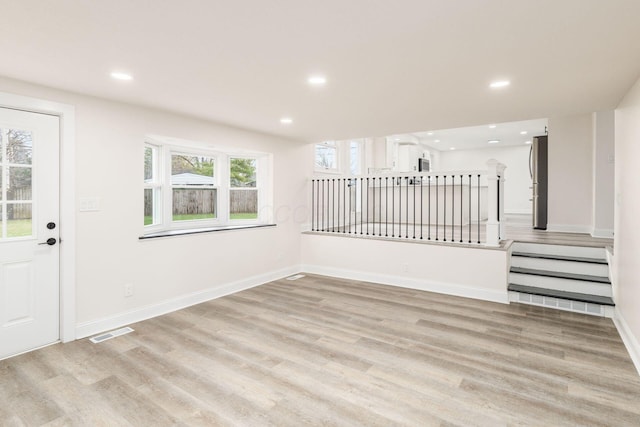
(244, 215)
(18, 227)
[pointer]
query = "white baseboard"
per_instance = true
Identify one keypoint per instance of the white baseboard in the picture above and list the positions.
(405, 282)
(567, 228)
(143, 313)
(630, 341)
(518, 211)
(604, 233)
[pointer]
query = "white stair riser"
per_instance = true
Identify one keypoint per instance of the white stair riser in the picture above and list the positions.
(561, 266)
(577, 251)
(568, 285)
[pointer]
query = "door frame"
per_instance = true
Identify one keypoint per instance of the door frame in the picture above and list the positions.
(66, 113)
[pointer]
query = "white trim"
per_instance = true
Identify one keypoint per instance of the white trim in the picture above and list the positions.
(67, 201)
(517, 211)
(403, 282)
(604, 233)
(568, 228)
(629, 340)
(126, 318)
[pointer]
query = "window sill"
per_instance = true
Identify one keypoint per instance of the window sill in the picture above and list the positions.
(171, 233)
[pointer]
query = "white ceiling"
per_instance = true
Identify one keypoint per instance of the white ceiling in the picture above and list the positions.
(392, 66)
(477, 137)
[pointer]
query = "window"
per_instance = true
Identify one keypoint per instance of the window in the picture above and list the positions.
(243, 193)
(152, 186)
(327, 156)
(188, 188)
(193, 192)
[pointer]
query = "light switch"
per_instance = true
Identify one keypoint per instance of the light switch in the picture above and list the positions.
(89, 204)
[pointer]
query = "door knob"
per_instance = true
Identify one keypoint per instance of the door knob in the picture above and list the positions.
(51, 225)
(50, 241)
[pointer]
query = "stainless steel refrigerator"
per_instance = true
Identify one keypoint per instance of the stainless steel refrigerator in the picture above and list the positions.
(538, 157)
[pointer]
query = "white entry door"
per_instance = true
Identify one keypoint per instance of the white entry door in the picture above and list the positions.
(29, 231)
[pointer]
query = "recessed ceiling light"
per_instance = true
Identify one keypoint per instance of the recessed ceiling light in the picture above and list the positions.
(437, 140)
(118, 75)
(527, 142)
(493, 141)
(452, 148)
(492, 126)
(317, 80)
(397, 139)
(499, 84)
(429, 133)
(524, 132)
(286, 120)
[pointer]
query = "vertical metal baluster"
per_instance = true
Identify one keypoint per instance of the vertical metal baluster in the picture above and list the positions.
(469, 208)
(429, 210)
(373, 207)
(361, 204)
(478, 208)
(444, 210)
(437, 207)
(386, 206)
(414, 207)
(453, 205)
(313, 203)
(321, 211)
(367, 206)
(498, 209)
(350, 204)
(333, 205)
(393, 206)
(344, 203)
(421, 207)
(380, 207)
(406, 226)
(461, 207)
(399, 206)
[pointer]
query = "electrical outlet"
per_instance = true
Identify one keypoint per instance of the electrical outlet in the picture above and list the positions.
(128, 290)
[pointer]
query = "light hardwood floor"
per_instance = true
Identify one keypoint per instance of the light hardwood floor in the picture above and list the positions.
(324, 351)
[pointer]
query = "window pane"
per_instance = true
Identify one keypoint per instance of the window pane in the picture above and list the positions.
(19, 220)
(194, 203)
(19, 183)
(191, 170)
(148, 206)
(326, 157)
(148, 164)
(243, 172)
(354, 158)
(19, 147)
(243, 204)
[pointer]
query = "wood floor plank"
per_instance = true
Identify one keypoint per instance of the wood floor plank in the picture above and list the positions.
(335, 352)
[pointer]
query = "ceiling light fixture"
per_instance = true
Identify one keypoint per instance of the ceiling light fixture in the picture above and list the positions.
(493, 141)
(437, 140)
(429, 133)
(317, 80)
(452, 148)
(524, 132)
(499, 84)
(492, 126)
(286, 120)
(527, 142)
(118, 75)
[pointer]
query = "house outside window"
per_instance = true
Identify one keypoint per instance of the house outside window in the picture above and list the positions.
(187, 188)
(326, 156)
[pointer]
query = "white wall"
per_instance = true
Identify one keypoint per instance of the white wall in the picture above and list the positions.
(109, 138)
(455, 270)
(518, 180)
(627, 212)
(603, 173)
(571, 174)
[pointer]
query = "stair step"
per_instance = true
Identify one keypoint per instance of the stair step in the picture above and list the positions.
(560, 250)
(561, 275)
(574, 296)
(560, 257)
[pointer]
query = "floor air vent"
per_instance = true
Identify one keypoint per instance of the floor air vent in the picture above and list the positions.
(296, 277)
(562, 304)
(112, 334)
